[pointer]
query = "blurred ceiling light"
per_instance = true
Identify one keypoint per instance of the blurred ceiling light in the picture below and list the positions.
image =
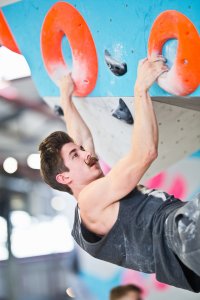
(70, 293)
(20, 219)
(3, 253)
(10, 165)
(12, 65)
(47, 237)
(33, 161)
(3, 230)
(58, 203)
(17, 202)
(3, 239)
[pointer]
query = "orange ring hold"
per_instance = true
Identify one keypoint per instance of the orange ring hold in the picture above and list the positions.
(184, 76)
(63, 19)
(6, 37)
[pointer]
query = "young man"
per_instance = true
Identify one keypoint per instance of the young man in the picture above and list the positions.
(126, 292)
(117, 220)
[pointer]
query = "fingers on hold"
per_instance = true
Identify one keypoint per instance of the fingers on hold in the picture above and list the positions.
(158, 58)
(143, 60)
(162, 57)
(160, 65)
(164, 67)
(162, 71)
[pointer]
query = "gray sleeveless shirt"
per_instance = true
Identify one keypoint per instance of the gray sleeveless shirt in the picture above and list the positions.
(137, 240)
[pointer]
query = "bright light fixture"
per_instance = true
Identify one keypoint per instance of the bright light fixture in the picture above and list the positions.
(10, 165)
(33, 161)
(31, 238)
(58, 203)
(20, 219)
(70, 293)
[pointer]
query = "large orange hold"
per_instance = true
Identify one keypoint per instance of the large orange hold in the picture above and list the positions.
(184, 76)
(63, 19)
(6, 37)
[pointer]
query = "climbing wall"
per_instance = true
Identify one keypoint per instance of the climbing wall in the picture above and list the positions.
(179, 133)
(101, 43)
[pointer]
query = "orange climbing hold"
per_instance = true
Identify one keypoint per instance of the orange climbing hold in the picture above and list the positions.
(63, 19)
(184, 76)
(6, 37)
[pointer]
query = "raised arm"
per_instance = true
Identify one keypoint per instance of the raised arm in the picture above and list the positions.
(76, 127)
(126, 174)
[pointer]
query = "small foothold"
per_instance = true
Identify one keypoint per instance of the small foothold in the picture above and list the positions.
(123, 113)
(115, 67)
(58, 110)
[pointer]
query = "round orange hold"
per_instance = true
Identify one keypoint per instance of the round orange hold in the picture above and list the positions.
(64, 19)
(184, 76)
(6, 37)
